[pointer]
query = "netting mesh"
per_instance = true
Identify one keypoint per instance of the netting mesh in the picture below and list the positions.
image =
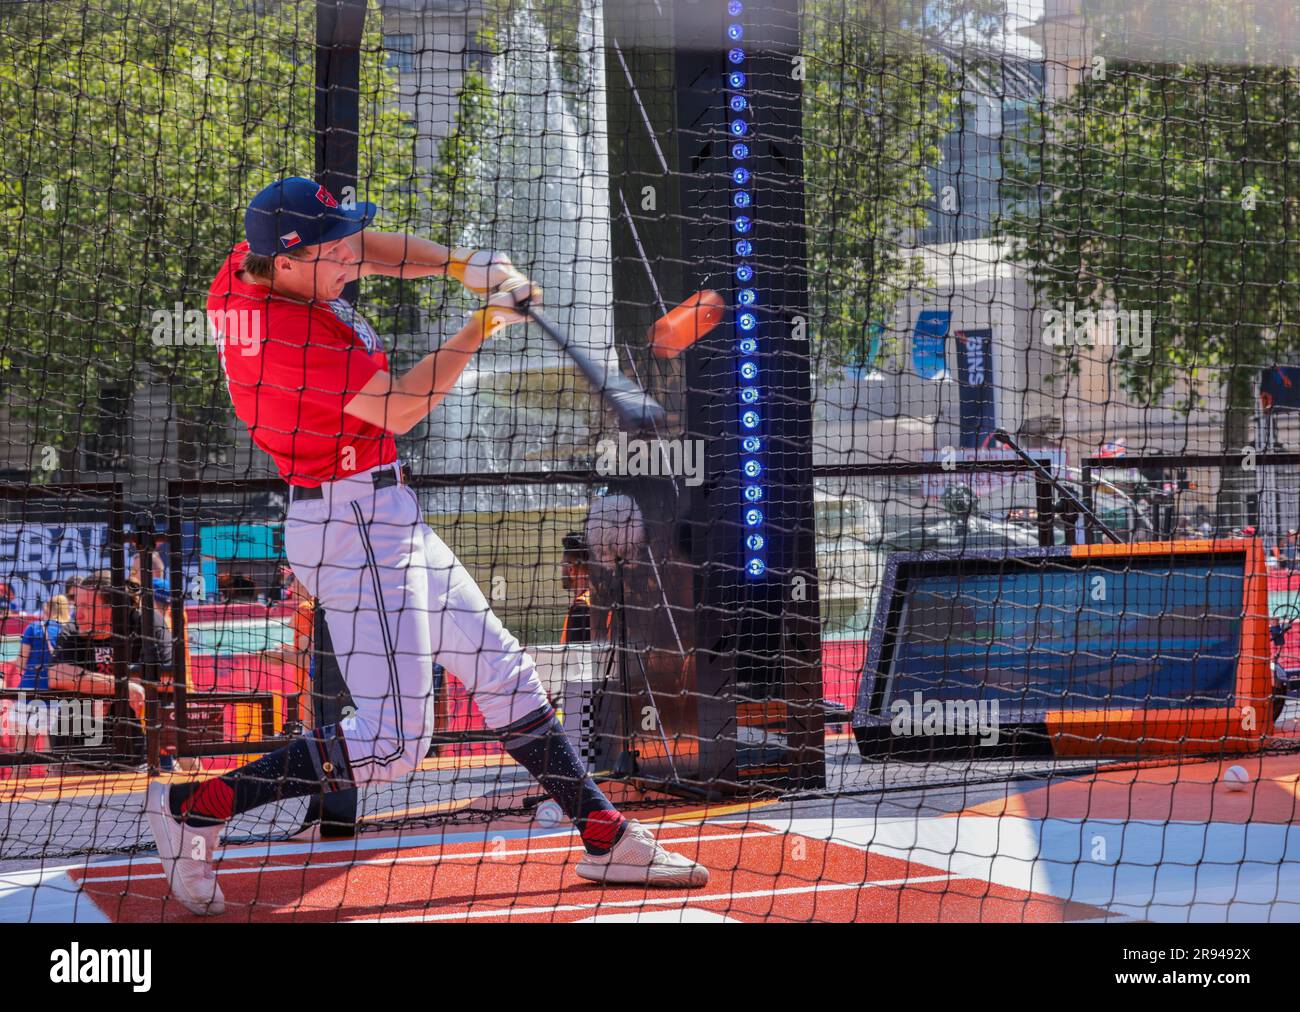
(808, 613)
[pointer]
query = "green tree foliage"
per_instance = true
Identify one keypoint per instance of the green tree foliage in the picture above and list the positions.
(1169, 185)
(135, 134)
(877, 101)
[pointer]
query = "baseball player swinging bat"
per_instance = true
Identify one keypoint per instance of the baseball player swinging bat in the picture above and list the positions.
(313, 384)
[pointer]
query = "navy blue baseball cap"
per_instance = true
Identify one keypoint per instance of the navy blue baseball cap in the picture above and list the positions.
(295, 212)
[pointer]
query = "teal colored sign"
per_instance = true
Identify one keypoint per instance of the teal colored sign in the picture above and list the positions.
(238, 541)
(868, 362)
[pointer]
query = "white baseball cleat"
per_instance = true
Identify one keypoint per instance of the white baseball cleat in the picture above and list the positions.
(637, 859)
(186, 854)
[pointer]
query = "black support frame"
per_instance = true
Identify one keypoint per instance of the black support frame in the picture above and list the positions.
(757, 640)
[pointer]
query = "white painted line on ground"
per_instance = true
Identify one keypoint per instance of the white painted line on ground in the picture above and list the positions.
(478, 855)
(651, 901)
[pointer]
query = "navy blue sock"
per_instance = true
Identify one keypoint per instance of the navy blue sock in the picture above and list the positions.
(317, 761)
(538, 743)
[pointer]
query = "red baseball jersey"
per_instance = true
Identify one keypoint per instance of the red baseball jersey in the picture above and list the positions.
(291, 367)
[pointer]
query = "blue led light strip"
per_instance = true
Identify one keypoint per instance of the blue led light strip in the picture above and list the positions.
(748, 381)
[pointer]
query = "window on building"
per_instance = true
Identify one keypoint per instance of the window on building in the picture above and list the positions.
(106, 445)
(477, 55)
(991, 129)
(401, 52)
(214, 435)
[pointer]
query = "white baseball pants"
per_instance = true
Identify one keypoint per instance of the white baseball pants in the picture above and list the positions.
(397, 599)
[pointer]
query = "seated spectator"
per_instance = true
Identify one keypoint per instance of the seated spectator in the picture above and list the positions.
(576, 579)
(297, 652)
(161, 588)
(83, 654)
(7, 602)
(36, 651)
(157, 568)
(282, 589)
(235, 587)
(69, 588)
(35, 654)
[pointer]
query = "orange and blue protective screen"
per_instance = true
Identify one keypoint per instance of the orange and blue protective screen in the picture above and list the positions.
(1060, 633)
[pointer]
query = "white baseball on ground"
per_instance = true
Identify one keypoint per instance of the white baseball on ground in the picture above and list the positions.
(1235, 778)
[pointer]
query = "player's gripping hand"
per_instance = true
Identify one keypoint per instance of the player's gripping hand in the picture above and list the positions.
(501, 311)
(484, 272)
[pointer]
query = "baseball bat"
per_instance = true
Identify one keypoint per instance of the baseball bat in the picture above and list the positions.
(636, 410)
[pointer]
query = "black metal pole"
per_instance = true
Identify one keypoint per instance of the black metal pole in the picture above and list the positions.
(176, 573)
(121, 705)
(339, 26)
(145, 548)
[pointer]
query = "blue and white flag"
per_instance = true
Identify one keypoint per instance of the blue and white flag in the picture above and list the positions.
(928, 344)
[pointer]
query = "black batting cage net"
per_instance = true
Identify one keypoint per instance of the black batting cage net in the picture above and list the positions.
(857, 441)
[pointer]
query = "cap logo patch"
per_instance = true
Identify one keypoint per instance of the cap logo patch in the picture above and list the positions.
(290, 239)
(326, 198)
